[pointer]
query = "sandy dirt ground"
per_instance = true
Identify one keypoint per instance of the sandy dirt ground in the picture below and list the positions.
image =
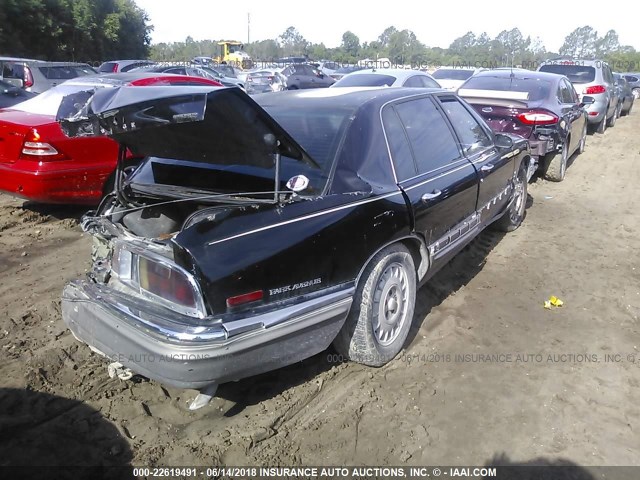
(562, 385)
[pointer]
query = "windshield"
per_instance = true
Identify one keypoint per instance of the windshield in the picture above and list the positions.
(48, 102)
(537, 89)
(366, 80)
(452, 74)
(575, 73)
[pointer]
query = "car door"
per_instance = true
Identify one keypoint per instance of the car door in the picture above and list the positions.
(495, 169)
(572, 113)
(439, 184)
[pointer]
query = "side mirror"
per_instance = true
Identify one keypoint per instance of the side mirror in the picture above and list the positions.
(503, 141)
(587, 100)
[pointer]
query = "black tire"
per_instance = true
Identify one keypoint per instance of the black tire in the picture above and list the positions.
(602, 126)
(556, 164)
(583, 140)
(516, 212)
(386, 291)
(611, 122)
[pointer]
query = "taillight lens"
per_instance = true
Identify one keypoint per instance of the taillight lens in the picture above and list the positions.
(115, 68)
(538, 118)
(28, 78)
(33, 146)
(166, 282)
(595, 89)
(159, 280)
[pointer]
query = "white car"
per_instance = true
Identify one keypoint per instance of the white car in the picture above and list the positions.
(387, 77)
(452, 77)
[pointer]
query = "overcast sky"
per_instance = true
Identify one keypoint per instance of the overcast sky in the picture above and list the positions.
(436, 24)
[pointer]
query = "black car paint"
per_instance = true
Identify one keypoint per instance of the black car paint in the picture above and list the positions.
(331, 237)
(11, 95)
(296, 248)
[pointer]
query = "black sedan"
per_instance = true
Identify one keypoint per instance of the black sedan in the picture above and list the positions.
(542, 107)
(10, 95)
(258, 232)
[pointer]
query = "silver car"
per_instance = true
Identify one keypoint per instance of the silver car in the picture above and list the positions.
(452, 77)
(37, 76)
(595, 79)
(389, 77)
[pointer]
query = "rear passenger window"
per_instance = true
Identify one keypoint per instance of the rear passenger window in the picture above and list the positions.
(433, 144)
(472, 136)
(401, 155)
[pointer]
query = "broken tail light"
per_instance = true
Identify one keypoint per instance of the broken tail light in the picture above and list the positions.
(158, 280)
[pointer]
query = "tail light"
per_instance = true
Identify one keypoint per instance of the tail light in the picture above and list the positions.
(115, 68)
(159, 280)
(33, 146)
(28, 77)
(595, 89)
(538, 117)
(249, 79)
(244, 299)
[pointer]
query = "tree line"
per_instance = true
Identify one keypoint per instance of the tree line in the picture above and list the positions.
(74, 30)
(508, 48)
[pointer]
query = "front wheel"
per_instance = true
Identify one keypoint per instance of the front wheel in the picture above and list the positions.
(514, 215)
(381, 315)
(583, 139)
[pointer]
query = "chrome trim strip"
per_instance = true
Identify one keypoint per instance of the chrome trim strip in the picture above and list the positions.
(306, 217)
(466, 164)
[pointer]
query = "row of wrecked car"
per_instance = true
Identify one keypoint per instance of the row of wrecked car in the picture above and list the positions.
(236, 234)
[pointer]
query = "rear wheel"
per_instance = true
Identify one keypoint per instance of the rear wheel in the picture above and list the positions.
(514, 216)
(612, 121)
(602, 126)
(557, 164)
(381, 315)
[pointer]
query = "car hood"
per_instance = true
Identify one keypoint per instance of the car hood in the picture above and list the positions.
(209, 124)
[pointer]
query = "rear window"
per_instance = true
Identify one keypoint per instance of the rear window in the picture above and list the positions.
(66, 72)
(366, 80)
(318, 132)
(536, 88)
(452, 74)
(108, 67)
(575, 73)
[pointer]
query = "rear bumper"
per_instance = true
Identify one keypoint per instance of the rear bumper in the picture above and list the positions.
(196, 357)
(66, 186)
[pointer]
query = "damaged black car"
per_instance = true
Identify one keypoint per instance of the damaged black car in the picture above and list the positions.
(258, 231)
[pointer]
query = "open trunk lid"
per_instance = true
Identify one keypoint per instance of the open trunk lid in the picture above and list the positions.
(202, 124)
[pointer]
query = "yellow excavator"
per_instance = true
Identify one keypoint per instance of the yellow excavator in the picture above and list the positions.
(232, 53)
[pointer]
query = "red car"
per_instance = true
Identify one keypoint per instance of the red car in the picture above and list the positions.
(39, 162)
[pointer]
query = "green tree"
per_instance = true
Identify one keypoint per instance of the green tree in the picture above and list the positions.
(582, 43)
(350, 43)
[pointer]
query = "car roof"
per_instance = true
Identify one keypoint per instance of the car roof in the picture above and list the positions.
(519, 73)
(575, 61)
(396, 72)
(343, 98)
(117, 78)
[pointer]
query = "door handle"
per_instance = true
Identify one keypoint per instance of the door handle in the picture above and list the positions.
(487, 168)
(430, 196)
